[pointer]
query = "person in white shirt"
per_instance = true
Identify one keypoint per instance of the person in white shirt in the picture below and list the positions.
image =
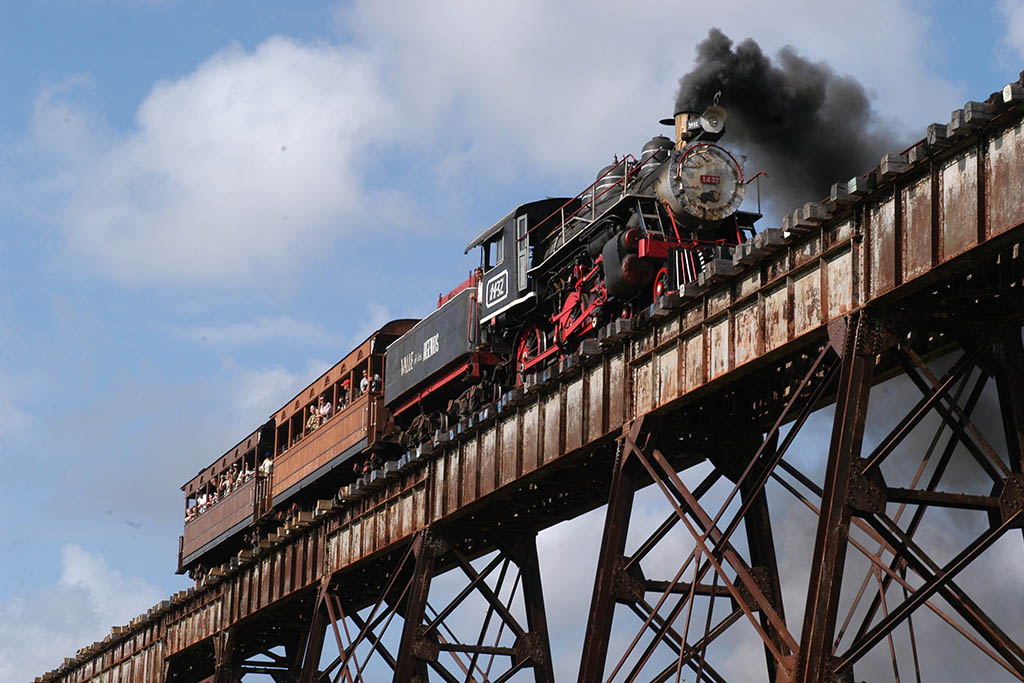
(364, 384)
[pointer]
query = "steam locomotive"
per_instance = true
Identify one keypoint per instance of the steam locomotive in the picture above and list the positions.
(554, 271)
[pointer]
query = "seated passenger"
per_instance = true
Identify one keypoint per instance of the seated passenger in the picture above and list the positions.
(313, 421)
(343, 395)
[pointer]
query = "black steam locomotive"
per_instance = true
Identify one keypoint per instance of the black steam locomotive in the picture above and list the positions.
(554, 271)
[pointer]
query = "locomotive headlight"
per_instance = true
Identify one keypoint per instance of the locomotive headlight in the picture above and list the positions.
(708, 182)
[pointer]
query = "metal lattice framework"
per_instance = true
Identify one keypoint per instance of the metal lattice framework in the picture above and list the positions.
(912, 271)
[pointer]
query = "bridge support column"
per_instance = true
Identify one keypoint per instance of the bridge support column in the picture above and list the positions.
(1010, 385)
(858, 359)
(414, 652)
(613, 544)
(428, 641)
(761, 543)
(741, 588)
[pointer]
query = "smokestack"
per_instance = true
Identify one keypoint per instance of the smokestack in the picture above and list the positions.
(798, 120)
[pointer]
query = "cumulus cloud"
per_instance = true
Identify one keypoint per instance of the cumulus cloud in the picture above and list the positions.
(232, 171)
(39, 629)
(1013, 15)
(264, 390)
(258, 160)
(261, 330)
(562, 86)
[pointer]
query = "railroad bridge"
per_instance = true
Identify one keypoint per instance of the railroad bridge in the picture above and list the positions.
(912, 269)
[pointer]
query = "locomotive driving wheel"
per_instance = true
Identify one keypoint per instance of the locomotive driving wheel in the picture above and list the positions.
(529, 345)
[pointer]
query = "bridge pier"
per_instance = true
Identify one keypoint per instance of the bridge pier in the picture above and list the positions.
(428, 642)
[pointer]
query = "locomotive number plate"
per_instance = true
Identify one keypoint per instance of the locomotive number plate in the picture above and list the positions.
(710, 179)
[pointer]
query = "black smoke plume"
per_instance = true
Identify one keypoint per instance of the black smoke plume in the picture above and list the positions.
(799, 121)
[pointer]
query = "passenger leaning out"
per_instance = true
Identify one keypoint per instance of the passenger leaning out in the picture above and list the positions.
(267, 466)
(343, 394)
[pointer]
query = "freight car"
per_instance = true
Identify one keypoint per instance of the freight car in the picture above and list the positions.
(304, 451)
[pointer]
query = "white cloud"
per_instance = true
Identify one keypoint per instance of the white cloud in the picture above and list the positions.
(259, 392)
(258, 161)
(260, 330)
(1013, 14)
(38, 630)
(234, 171)
(563, 85)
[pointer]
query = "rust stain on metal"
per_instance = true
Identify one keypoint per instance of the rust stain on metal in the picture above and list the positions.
(748, 283)
(1005, 169)
(806, 251)
(882, 229)
(509, 449)
(488, 457)
(668, 374)
(719, 301)
(960, 204)
(917, 222)
(574, 415)
(530, 437)
(453, 480)
(807, 300)
(595, 402)
(718, 347)
(776, 317)
(749, 334)
(694, 361)
(839, 274)
(552, 426)
(616, 382)
(777, 266)
(643, 400)
(668, 330)
(470, 469)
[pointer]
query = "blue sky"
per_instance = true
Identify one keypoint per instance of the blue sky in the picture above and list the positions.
(205, 204)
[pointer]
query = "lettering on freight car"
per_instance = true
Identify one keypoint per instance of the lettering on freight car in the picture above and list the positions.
(431, 346)
(408, 362)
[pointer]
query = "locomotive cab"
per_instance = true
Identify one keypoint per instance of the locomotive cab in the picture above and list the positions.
(506, 252)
